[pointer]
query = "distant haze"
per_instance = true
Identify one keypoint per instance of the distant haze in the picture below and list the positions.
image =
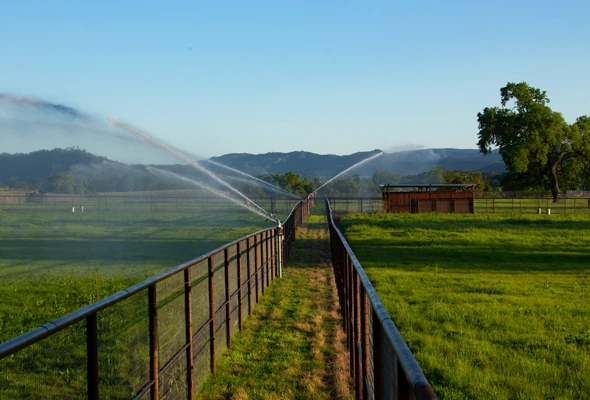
(28, 124)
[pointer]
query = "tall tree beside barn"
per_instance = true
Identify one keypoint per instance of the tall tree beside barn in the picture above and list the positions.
(535, 142)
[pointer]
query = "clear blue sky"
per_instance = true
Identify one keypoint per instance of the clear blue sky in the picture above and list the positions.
(322, 76)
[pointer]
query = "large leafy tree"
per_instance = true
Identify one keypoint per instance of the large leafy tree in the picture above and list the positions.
(535, 142)
(461, 177)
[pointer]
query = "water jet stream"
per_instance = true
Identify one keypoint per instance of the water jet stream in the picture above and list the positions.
(155, 171)
(178, 154)
(275, 188)
(348, 169)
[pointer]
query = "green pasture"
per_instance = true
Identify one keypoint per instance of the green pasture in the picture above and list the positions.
(531, 206)
(492, 306)
(141, 202)
(52, 263)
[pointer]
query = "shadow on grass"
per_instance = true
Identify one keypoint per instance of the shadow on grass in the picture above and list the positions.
(28, 257)
(445, 222)
(413, 255)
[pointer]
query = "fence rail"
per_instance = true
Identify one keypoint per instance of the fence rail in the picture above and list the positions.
(25, 203)
(484, 203)
(381, 363)
(157, 339)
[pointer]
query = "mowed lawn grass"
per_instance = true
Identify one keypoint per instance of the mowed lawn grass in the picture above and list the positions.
(54, 263)
(493, 307)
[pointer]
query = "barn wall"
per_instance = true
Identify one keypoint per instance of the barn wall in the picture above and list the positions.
(417, 202)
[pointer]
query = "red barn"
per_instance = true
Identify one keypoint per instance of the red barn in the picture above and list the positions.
(419, 198)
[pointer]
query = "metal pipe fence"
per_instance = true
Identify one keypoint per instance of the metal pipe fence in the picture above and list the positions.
(347, 205)
(157, 339)
(381, 364)
(484, 203)
(30, 203)
(494, 204)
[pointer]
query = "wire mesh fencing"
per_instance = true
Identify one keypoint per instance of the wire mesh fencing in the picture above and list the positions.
(381, 364)
(531, 203)
(157, 339)
(51, 203)
(349, 205)
(484, 203)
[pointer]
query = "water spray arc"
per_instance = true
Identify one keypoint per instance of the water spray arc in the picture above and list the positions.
(348, 169)
(273, 187)
(161, 172)
(43, 105)
(280, 233)
(178, 154)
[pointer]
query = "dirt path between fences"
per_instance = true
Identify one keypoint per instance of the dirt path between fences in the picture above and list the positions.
(293, 347)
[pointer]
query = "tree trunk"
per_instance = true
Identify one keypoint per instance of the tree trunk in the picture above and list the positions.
(552, 173)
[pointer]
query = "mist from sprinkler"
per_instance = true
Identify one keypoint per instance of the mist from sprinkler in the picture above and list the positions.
(181, 156)
(347, 170)
(270, 185)
(168, 174)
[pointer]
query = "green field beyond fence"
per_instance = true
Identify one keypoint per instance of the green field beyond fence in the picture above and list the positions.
(492, 306)
(141, 202)
(52, 263)
(155, 339)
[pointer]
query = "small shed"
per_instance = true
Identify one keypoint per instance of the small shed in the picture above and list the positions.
(435, 197)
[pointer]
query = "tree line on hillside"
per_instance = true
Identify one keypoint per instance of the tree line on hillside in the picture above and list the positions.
(358, 186)
(75, 171)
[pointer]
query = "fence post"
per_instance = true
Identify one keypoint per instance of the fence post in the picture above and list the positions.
(249, 279)
(256, 266)
(300, 211)
(268, 258)
(92, 356)
(366, 361)
(378, 366)
(188, 315)
(273, 253)
(227, 299)
(350, 311)
(403, 386)
(153, 322)
(344, 268)
(212, 314)
(239, 253)
(262, 263)
(358, 377)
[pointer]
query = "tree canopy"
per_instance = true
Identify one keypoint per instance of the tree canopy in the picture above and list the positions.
(537, 145)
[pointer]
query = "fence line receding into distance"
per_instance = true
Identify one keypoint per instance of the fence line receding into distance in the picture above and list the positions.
(381, 364)
(485, 203)
(35, 203)
(156, 339)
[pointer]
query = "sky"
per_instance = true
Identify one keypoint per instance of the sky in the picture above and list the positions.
(330, 77)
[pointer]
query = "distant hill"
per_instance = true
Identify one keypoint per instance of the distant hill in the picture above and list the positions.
(75, 170)
(411, 162)
(36, 166)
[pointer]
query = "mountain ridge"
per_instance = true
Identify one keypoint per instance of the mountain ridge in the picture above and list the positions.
(407, 162)
(36, 167)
